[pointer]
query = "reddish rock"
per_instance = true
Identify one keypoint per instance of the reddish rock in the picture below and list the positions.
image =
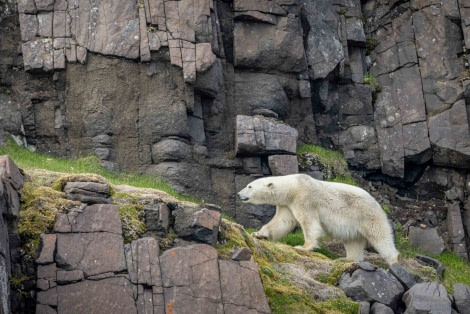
(48, 297)
(242, 254)
(281, 165)
(93, 253)
(10, 171)
(111, 295)
(27, 6)
(198, 223)
(262, 6)
(190, 278)
(47, 245)
(93, 218)
(38, 54)
(257, 134)
(29, 26)
(87, 192)
(144, 41)
(241, 287)
(205, 58)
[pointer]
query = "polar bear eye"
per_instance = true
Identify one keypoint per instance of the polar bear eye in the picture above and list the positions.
(249, 186)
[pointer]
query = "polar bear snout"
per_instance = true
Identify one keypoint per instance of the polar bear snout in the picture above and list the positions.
(243, 198)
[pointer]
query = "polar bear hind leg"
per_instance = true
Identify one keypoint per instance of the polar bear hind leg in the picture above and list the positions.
(355, 249)
(280, 225)
(385, 245)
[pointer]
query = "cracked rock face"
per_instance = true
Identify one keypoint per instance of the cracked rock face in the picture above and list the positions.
(85, 267)
(158, 87)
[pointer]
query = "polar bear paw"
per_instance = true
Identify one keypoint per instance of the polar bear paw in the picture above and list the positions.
(260, 235)
(305, 248)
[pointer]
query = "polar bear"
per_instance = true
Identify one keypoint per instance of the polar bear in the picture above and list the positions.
(343, 211)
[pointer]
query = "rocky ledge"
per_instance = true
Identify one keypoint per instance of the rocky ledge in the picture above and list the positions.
(85, 267)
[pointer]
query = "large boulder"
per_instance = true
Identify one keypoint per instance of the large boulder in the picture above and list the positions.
(427, 297)
(449, 135)
(324, 48)
(428, 240)
(372, 285)
(259, 135)
(263, 46)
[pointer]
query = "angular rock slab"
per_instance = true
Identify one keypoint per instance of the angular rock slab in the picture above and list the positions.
(143, 263)
(258, 135)
(46, 249)
(93, 253)
(94, 218)
(242, 290)
(201, 224)
(462, 298)
(456, 230)
(10, 171)
(449, 136)
(282, 51)
(376, 286)
(427, 297)
(427, 240)
(281, 165)
(88, 192)
(191, 281)
(111, 295)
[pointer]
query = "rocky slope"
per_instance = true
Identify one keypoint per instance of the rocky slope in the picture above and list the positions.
(186, 259)
(212, 94)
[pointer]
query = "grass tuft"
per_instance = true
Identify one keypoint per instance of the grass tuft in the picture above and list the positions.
(27, 159)
(331, 163)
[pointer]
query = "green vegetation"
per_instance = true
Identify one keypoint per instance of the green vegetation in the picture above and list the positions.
(294, 238)
(131, 210)
(26, 159)
(371, 43)
(331, 163)
(40, 204)
(4, 90)
(284, 293)
(370, 79)
(457, 270)
(386, 208)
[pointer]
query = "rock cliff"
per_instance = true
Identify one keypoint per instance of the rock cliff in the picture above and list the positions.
(212, 94)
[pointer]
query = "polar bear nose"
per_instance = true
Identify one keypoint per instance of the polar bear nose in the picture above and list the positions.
(242, 197)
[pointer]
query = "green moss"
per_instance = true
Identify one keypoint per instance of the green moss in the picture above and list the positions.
(131, 210)
(39, 207)
(283, 294)
(4, 90)
(385, 208)
(371, 43)
(331, 163)
(370, 79)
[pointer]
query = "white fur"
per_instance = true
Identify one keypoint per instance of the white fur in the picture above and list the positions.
(343, 211)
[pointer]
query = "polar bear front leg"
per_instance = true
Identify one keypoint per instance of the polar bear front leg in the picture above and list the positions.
(280, 225)
(312, 230)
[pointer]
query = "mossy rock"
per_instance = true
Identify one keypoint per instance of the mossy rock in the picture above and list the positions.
(39, 206)
(292, 278)
(59, 183)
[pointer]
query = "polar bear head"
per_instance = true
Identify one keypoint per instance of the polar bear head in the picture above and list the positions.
(270, 190)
